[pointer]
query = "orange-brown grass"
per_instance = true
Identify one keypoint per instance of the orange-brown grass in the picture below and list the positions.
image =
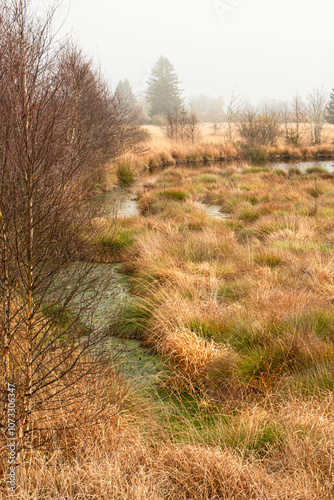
(212, 145)
(241, 308)
(117, 463)
(117, 460)
(245, 262)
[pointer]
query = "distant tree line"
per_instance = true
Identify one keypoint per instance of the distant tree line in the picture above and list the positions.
(167, 108)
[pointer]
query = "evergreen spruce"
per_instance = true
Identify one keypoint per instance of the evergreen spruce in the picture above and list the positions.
(330, 108)
(163, 93)
(125, 92)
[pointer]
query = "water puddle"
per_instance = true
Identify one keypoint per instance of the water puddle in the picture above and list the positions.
(303, 166)
(96, 292)
(138, 363)
(214, 211)
(118, 203)
(100, 292)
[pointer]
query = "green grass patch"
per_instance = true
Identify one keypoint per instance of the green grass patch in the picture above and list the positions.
(311, 381)
(255, 170)
(208, 328)
(233, 292)
(300, 247)
(315, 170)
(294, 171)
(321, 323)
(208, 178)
(126, 174)
(133, 319)
(255, 440)
(174, 194)
(117, 242)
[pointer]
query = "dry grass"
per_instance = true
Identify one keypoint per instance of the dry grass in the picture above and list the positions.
(117, 461)
(215, 145)
(242, 311)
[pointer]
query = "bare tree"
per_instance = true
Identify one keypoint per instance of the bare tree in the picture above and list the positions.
(183, 126)
(232, 112)
(107, 123)
(259, 129)
(193, 129)
(293, 116)
(316, 107)
(48, 141)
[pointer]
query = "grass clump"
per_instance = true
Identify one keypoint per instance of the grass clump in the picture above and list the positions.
(294, 171)
(247, 212)
(256, 440)
(126, 174)
(115, 244)
(208, 328)
(134, 319)
(232, 292)
(255, 170)
(256, 154)
(174, 194)
(268, 259)
(315, 170)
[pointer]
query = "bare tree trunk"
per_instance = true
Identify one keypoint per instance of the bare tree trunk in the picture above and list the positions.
(6, 323)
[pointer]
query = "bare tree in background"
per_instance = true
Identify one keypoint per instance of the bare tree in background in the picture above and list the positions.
(293, 117)
(232, 113)
(316, 107)
(193, 129)
(107, 123)
(57, 121)
(259, 129)
(183, 126)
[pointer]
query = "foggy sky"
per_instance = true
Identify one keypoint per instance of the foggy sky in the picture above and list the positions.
(263, 48)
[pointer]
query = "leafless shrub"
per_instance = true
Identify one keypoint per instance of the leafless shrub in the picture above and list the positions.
(293, 115)
(316, 108)
(259, 130)
(58, 122)
(183, 126)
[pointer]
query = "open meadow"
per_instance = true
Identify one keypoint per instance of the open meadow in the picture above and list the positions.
(240, 307)
(224, 144)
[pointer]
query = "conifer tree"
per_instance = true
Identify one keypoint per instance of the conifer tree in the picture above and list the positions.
(330, 108)
(163, 92)
(125, 92)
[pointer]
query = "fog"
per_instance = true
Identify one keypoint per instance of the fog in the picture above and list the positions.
(263, 49)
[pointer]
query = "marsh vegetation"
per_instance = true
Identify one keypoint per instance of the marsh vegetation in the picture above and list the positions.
(168, 331)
